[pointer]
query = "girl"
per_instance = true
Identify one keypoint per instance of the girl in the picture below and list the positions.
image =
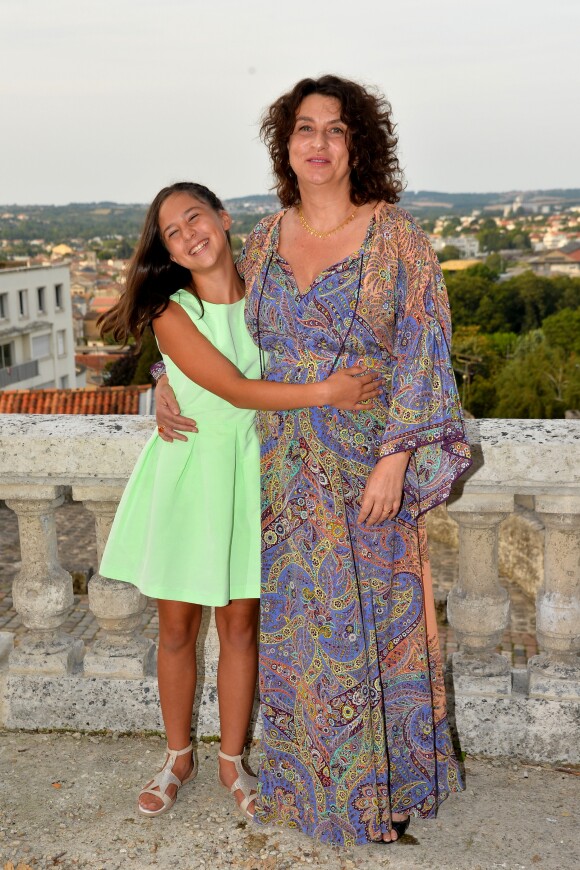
(187, 531)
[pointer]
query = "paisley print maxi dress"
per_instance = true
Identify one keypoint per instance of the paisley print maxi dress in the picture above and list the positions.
(351, 686)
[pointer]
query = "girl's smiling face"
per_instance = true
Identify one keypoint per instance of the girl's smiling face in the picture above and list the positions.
(193, 232)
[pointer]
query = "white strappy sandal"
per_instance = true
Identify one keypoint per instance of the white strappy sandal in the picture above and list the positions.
(158, 785)
(246, 783)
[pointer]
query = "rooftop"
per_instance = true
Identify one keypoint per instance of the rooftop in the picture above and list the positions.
(103, 400)
(37, 266)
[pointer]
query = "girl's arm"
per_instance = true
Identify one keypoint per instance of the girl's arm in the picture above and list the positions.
(202, 363)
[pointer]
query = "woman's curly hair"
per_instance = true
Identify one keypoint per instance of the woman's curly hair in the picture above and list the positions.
(375, 173)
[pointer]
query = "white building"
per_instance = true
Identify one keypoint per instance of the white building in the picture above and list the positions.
(553, 240)
(36, 328)
(468, 245)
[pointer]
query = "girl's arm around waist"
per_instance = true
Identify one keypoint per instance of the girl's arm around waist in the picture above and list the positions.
(202, 363)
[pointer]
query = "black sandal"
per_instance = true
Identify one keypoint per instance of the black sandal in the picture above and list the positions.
(400, 828)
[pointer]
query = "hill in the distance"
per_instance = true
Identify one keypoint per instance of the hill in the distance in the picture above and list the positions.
(84, 221)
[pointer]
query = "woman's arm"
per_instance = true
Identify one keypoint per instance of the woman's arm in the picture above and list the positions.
(170, 423)
(424, 420)
(383, 493)
(200, 361)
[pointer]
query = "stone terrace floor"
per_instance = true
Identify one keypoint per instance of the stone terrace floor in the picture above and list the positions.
(68, 801)
(78, 555)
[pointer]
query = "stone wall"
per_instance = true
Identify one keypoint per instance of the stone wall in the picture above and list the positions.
(50, 679)
(521, 543)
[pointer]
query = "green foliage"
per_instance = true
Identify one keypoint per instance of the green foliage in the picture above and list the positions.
(518, 304)
(116, 249)
(449, 252)
(495, 263)
(493, 238)
(539, 382)
(148, 355)
(450, 226)
(133, 368)
(562, 330)
(538, 298)
(428, 224)
(237, 245)
(478, 299)
(121, 372)
(81, 221)
(478, 359)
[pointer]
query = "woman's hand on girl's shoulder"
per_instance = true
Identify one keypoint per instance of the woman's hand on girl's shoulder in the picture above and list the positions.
(350, 389)
(170, 423)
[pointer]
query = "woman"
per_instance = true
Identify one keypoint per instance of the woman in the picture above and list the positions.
(187, 528)
(352, 699)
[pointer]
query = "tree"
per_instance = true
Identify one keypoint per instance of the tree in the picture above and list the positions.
(450, 226)
(478, 359)
(540, 382)
(563, 330)
(495, 263)
(449, 252)
(538, 297)
(490, 239)
(148, 355)
(121, 372)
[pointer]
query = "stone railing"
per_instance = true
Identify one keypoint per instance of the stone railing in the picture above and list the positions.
(50, 679)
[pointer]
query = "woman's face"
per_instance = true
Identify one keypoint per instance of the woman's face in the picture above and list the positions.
(193, 233)
(318, 147)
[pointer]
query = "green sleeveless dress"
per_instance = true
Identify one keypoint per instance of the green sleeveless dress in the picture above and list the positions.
(188, 525)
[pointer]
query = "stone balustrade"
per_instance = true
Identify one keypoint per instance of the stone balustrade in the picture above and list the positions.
(51, 680)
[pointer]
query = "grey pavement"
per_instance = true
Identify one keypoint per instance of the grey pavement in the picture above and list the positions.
(69, 801)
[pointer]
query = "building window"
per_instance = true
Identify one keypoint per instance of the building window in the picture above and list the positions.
(3, 306)
(5, 356)
(64, 382)
(61, 342)
(58, 298)
(40, 346)
(40, 297)
(23, 303)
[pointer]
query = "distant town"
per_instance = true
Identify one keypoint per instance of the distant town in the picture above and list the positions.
(61, 267)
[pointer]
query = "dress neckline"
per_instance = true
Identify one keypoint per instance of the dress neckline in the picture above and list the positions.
(213, 304)
(340, 264)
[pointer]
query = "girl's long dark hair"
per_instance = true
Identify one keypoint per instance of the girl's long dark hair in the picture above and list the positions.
(152, 277)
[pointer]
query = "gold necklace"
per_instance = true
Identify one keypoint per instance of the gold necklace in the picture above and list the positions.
(325, 235)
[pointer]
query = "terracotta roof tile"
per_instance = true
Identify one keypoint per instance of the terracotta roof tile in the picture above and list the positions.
(103, 400)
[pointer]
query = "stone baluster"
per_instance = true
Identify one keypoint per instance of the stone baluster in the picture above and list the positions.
(478, 606)
(118, 607)
(42, 590)
(555, 672)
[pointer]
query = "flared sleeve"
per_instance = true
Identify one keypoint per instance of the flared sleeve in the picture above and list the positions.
(424, 413)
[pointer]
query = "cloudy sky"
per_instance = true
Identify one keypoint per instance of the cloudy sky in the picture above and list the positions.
(112, 99)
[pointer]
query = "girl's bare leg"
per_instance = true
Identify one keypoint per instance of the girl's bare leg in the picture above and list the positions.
(237, 626)
(177, 672)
